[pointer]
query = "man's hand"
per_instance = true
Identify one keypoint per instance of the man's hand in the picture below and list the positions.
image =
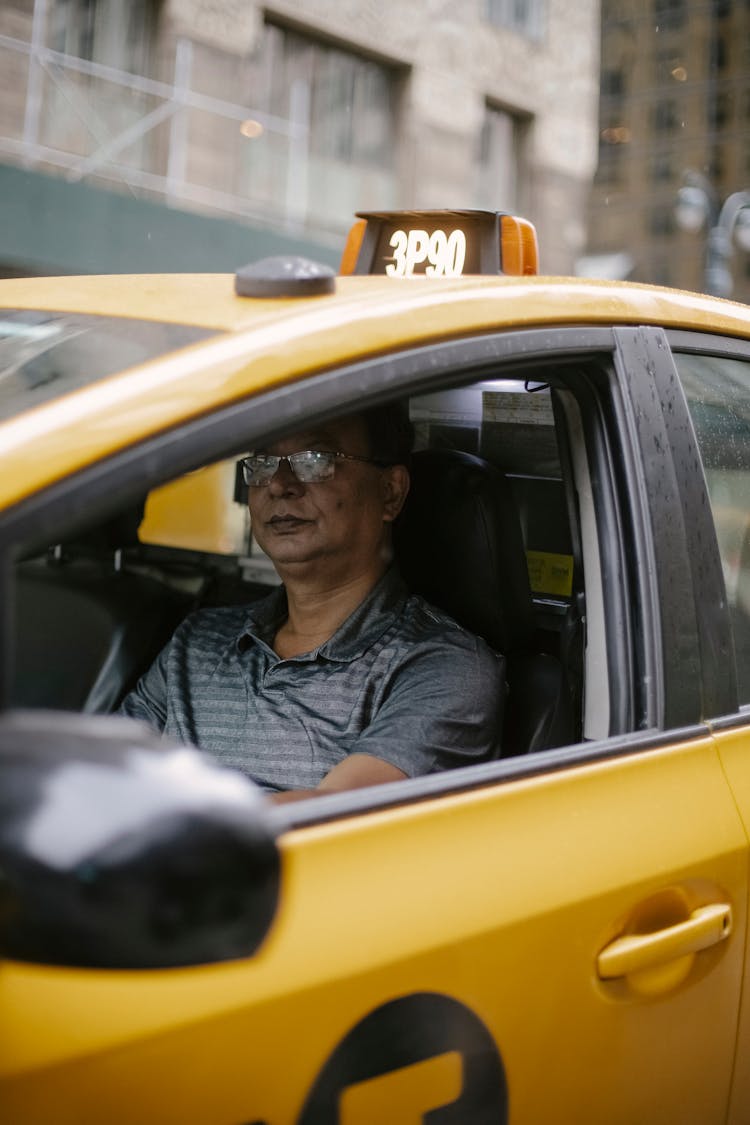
(355, 772)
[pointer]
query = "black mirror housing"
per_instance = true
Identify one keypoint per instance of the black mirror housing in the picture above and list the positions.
(119, 849)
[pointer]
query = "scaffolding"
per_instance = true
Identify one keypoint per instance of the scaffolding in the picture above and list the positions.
(89, 121)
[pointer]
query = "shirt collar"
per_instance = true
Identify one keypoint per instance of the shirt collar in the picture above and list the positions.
(263, 620)
(353, 637)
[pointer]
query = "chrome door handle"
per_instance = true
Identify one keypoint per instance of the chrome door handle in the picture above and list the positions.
(706, 926)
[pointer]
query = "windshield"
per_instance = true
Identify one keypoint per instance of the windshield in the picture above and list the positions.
(44, 355)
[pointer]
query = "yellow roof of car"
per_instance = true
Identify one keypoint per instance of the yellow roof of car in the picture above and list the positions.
(272, 342)
(209, 301)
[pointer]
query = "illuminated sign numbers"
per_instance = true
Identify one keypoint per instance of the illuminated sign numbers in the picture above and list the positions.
(441, 254)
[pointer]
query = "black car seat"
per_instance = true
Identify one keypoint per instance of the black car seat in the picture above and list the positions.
(86, 626)
(458, 543)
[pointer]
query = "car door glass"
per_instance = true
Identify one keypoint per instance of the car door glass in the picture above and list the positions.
(718, 395)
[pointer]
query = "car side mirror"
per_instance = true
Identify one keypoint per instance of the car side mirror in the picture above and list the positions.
(119, 849)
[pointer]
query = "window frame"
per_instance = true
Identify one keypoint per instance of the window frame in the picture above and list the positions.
(721, 347)
(689, 582)
(313, 64)
(615, 440)
(529, 18)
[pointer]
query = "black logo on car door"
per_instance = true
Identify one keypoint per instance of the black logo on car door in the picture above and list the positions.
(424, 1058)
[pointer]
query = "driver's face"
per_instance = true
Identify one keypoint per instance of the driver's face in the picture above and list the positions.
(341, 523)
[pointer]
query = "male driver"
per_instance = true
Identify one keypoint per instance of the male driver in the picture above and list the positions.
(340, 678)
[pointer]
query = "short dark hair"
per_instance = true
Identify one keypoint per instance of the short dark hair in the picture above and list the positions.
(389, 432)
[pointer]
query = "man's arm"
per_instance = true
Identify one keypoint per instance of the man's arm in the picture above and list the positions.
(355, 772)
(442, 709)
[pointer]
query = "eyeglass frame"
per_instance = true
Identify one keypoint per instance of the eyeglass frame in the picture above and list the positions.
(289, 458)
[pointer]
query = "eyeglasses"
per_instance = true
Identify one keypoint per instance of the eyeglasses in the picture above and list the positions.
(310, 466)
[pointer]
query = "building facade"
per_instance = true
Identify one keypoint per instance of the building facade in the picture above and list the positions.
(674, 111)
(218, 125)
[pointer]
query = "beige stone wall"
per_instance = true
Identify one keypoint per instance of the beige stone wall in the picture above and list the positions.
(456, 62)
(452, 63)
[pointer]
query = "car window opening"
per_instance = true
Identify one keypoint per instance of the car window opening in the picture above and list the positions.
(487, 536)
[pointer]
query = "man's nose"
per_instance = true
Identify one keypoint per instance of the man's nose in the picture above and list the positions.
(284, 481)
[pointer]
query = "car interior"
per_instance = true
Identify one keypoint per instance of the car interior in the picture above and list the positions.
(490, 533)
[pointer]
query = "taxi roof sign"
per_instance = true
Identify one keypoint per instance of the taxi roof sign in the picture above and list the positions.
(440, 244)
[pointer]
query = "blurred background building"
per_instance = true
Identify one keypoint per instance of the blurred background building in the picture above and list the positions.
(200, 134)
(674, 114)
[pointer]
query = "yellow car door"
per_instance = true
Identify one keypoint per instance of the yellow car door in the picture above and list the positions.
(556, 936)
(733, 742)
(565, 944)
(715, 376)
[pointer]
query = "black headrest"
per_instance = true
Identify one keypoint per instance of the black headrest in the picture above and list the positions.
(118, 531)
(458, 543)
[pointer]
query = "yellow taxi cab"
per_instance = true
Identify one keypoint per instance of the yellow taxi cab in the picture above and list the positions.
(558, 934)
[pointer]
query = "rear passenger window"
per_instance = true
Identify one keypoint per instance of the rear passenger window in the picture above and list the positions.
(511, 425)
(718, 394)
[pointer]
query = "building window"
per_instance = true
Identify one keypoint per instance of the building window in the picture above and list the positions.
(613, 140)
(613, 84)
(664, 117)
(338, 153)
(609, 171)
(105, 31)
(719, 109)
(661, 168)
(91, 116)
(716, 165)
(669, 13)
(526, 16)
(500, 160)
(719, 53)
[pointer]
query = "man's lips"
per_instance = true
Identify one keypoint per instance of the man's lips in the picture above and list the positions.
(283, 524)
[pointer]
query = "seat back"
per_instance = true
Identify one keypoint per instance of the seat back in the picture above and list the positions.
(458, 543)
(85, 628)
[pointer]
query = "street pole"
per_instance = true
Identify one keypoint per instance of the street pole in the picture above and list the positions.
(719, 245)
(698, 206)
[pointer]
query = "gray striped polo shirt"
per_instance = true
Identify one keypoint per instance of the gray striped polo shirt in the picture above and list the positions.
(399, 680)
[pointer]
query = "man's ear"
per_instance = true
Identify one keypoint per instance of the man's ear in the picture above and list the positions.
(396, 482)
